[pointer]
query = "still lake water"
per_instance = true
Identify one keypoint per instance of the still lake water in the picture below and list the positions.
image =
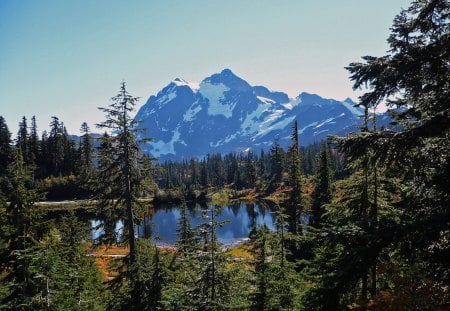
(240, 219)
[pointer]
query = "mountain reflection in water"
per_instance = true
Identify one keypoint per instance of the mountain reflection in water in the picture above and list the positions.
(240, 219)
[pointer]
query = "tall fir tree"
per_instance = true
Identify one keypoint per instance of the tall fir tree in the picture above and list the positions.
(34, 147)
(86, 158)
(126, 157)
(276, 167)
(22, 236)
(413, 76)
(22, 140)
(322, 187)
(294, 204)
(5, 146)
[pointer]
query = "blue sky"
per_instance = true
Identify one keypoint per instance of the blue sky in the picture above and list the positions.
(68, 57)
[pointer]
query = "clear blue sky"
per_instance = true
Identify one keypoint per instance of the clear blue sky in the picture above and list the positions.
(67, 57)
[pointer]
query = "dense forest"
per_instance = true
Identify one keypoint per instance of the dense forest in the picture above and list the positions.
(377, 236)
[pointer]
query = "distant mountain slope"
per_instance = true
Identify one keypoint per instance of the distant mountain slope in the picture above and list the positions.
(224, 113)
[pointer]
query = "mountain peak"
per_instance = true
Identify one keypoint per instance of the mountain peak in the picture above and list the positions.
(181, 82)
(349, 100)
(227, 72)
(225, 114)
(229, 79)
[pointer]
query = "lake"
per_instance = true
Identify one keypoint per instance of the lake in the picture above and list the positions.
(240, 218)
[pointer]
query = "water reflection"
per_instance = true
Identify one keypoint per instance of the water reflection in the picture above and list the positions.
(240, 219)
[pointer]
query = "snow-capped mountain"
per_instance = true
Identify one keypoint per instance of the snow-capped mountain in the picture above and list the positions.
(224, 113)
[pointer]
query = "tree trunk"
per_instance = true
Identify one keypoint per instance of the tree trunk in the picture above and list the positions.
(363, 297)
(213, 262)
(128, 198)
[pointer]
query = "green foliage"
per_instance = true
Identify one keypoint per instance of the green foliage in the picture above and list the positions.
(5, 146)
(376, 224)
(294, 205)
(322, 189)
(122, 172)
(59, 188)
(276, 167)
(141, 287)
(275, 281)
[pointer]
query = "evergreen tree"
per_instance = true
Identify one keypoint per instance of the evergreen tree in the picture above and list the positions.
(106, 188)
(276, 167)
(261, 266)
(233, 171)
(22, 235)
(144, 290)
(194, 173)
(126, 156)
(86, 154)
(211, 289)
(294, 204)
(413, 76)
(34, 147)
(5, 146)
(187, 242)
(70, 157)
(262, 164)
(204, 175)
(44, 155)
(250, 172)
(33, 143)
(22, 140)
(322, 189)
(55, 147)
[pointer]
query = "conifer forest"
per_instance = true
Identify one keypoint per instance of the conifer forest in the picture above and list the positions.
(362, 221)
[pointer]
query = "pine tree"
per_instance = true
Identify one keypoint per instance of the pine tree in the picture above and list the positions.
(194, 173)
(34, 147)
(250, 172)
(413, 76)
(204, 175)
(261, 265)
(322, 189)
(5, 146)
(22, 221)
(55, 147)
(86, 155)
(276, 167)
(211, 290)
(22, 140)
(106, 189)
(294, 204)
(126, 157)
(144, 290)
(44, 155)
(187, 242)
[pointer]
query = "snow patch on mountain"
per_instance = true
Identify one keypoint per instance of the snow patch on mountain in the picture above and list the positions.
(180, 82)
(300, 131)
(272, 123)
(251, 124)
(191, 112)
(266, 100)
(330, 120)
(292, 103)
(223, 141)
(163, 148)
(350, 105)
(165, 99)
(225, 114)
(215, 93)
(320, 132)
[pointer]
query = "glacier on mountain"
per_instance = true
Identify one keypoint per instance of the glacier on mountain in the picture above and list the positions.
(223, 113)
